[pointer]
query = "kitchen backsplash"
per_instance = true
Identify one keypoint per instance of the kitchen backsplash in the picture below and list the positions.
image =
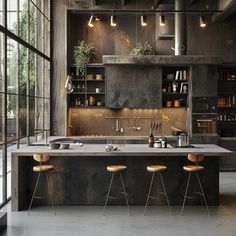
(126, 122)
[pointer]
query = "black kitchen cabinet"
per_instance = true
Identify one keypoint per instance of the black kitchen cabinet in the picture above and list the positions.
(204, 80)
(134, 86)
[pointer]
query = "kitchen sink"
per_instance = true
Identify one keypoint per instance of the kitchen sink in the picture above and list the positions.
(175, 146)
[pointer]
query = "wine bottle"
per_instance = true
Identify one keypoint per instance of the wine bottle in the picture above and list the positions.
(151, 139)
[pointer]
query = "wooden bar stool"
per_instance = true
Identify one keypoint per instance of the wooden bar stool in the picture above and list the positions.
(196, 158)
(157, 169)
(116, 169)
(42, 168)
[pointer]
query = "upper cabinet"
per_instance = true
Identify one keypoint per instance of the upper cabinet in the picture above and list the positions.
(204, 80)
(133, 86)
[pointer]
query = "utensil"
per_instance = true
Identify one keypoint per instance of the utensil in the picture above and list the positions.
(138, 128)
(117, 125)
(183, 140)
(134, 127)
(65, 146)
(53, 145)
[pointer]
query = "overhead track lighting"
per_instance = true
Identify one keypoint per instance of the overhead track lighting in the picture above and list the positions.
(91, 21)
(113, 20)
(143, 20)
(202, 21)
(162, 20)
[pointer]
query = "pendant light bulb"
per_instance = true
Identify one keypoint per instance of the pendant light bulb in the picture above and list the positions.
(91, 21)
(162, 20)
(113, 21)
(143, 20)
(202, 21)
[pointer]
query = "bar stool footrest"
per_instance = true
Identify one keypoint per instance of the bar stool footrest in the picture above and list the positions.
(41, 197)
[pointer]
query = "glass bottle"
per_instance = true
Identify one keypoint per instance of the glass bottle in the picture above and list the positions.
(151, 139)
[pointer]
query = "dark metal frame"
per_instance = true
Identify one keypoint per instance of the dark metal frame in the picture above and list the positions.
(201, 193)
(38, 197)
(109, 191)
(7, 34)
(150, 189)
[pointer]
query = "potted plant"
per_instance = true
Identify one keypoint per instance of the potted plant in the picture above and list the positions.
(83, 54)
(143, 49)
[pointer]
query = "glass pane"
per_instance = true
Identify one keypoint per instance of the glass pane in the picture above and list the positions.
(47, 79)
(47, 38)
(39, 109)
(32, 79)
(1, 117)
(22, 116)
(23, 19)
(12, 15)
(32, 116)
(33, 25)
(46, 113)
(40, 31)
(1, 12)
(11, 147)
(23, 70)
(1, 174)
(12, 101)
(1, 62)
(39, 78)
(12, 66)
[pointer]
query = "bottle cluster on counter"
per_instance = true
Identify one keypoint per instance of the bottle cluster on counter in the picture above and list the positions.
(160, 143)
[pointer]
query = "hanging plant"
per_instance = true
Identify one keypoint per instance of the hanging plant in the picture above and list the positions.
(83, 54)
(143, 49)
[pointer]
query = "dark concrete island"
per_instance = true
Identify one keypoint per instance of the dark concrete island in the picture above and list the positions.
(80, 176)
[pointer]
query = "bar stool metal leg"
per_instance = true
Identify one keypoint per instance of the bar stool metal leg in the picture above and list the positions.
(163, 185)
(51, 195)
(199, 181)
(186, 192)
(108, 194)
(149, 192)
(35, 189)
(123, 186)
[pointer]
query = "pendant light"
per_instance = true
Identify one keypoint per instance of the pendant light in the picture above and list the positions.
(91, 21)
(113, 20)
(162, 20)
(202, 21)
(143, 20)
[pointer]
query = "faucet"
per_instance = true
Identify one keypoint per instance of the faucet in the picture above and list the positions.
(117, 126)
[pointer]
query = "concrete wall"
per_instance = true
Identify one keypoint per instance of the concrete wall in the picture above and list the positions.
(215, 39)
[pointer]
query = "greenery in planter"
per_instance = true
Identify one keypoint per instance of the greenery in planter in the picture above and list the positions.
(83, 54)
(143, 49)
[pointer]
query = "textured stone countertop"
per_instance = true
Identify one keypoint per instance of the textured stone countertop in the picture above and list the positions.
(123, 150)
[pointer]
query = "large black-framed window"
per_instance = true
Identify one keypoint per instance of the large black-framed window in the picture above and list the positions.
(25, 65)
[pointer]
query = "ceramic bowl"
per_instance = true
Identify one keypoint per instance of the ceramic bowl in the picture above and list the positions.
(65, 145)
(54, 145)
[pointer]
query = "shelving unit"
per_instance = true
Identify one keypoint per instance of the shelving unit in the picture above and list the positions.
(175, 86)
(227, 102)
(88, 90)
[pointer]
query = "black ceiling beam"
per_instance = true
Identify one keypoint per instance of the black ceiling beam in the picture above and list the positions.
(226, 13)
(145, 10)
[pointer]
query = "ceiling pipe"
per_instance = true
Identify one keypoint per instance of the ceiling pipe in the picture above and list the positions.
(180, 28)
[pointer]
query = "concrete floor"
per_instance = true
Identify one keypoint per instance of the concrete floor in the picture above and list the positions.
(81, 220)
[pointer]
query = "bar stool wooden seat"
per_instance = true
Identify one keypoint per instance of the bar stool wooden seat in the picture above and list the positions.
(42, 168)
(116, 169)
(195, 158)
(157, 169)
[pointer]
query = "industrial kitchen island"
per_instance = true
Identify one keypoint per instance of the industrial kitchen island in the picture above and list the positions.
(80, 176)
